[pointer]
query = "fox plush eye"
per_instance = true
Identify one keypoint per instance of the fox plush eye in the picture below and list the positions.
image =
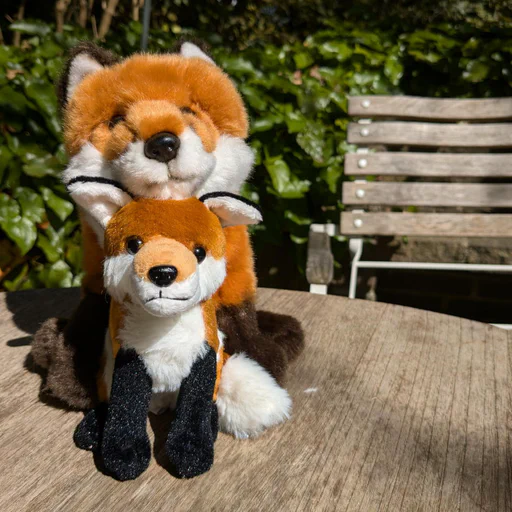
(115, 120)
(133, 244)
(199, 253)
(187, 110)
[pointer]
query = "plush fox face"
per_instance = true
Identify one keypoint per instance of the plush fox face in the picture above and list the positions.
(165, 255)
(164, 126)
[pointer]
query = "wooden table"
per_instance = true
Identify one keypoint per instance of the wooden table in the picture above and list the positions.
(394, 409)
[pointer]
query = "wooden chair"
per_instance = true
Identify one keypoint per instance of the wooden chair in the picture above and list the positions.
(398, 137)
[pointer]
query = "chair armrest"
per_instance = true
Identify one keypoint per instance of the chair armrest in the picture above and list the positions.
(320, 262)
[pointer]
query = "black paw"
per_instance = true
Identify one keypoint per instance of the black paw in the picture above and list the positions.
(88, 433)
(191, 451)
(125, 458)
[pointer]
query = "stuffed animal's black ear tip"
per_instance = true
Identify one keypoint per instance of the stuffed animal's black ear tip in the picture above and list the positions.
(213, 195)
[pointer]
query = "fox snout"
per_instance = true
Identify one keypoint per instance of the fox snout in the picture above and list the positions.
(162, 147)
(163, 261)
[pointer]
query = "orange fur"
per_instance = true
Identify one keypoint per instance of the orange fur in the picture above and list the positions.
(240, 283)
(210, 322)
(149, 117)
(171, 79)
(160, 251)
(178, 220)
(92, 260)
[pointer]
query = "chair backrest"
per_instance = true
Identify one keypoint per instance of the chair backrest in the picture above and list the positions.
(406, 133)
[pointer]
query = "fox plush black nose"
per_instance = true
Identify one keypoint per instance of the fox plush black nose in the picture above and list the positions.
(162, 146)
(163, 275)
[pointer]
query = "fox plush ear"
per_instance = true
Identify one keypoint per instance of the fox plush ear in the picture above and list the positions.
(83, 59)
(99, 197)
(189, 49)
(231, 209)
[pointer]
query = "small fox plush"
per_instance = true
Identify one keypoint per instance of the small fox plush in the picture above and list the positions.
(164, 261)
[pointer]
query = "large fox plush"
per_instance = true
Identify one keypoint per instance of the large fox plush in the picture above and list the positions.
(167, 126)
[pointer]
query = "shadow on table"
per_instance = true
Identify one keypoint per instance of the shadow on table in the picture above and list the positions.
(161, 424)
(31, 308)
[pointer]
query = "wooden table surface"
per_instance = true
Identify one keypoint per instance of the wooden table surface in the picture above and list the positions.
(394, 409)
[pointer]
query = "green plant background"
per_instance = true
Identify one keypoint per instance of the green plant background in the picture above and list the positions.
(296, 94)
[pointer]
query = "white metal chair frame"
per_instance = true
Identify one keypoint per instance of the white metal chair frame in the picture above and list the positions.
(356, 243)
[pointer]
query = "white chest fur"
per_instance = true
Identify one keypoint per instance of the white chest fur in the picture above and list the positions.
(168, 346)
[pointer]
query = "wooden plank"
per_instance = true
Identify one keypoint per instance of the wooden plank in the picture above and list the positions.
(427, 224)
(401, 163)
(438, 109)
(478, 195)
(401, 409)
(397, 133)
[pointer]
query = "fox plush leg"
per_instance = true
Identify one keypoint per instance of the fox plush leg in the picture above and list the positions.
(125, 446)
(89, 432)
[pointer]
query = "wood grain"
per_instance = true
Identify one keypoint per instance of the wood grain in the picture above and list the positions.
(477, 195)
(396, 133)
(439, 109)
(394, 409)
(427, 224)
(401, 163)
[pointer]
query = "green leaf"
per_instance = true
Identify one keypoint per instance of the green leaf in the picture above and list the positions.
(299, 240)
(60, 207)
(297, 219)
(32, 206)
(393, 68)
(238, 66)
(20, 230)
(286, 184)
(295, 121)
(255, 97)
(19, 275)
(263, 124)
(303, 60)
(74, 256)
(12, 101)
(5, 158)
(47, 165)
(476, 71)
(315, 143)
(52, 252)
(43, 94)
(332, 174)
(336, 49)
(37, 28)
(57, 275)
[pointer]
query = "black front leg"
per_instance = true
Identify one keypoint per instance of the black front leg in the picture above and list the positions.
(125, 447)
(192, 435)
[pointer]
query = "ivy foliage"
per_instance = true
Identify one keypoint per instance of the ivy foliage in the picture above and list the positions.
(296, 95)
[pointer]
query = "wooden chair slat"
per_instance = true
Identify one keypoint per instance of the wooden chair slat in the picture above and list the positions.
(427, 224)
(476, 195)
(400, 163)
(397, 133)
(435, 109)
